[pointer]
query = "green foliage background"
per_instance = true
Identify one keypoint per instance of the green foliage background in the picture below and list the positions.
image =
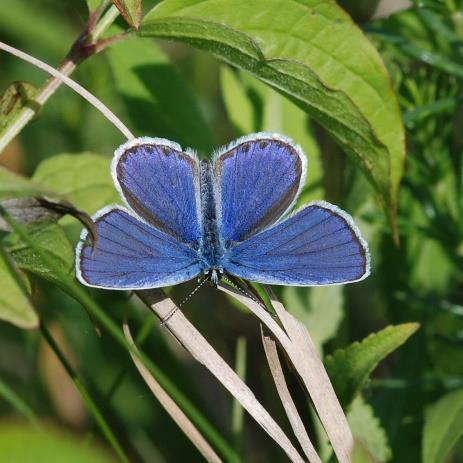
(345, 93)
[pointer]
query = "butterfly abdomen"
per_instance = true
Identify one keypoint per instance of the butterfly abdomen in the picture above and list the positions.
(211, 247)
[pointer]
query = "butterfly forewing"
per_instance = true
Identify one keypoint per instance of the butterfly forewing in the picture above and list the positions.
(319, 245)
(161, 184)
(257, 179)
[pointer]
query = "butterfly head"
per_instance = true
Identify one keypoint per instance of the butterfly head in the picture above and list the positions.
(214, 275)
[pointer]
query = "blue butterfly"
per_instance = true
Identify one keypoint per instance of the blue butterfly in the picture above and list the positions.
(186, 217)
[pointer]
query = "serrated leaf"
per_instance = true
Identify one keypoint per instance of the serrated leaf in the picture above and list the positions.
(52, 241)
(156, 96)
(368, 433)
(307, 54)
(84, 179)
(443, 427)
(15, 306)
(131, 11)
(350, 368)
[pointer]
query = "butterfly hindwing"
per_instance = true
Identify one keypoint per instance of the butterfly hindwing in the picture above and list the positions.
(258, 179)
(160, 183)
(319, 245)
(131, 254)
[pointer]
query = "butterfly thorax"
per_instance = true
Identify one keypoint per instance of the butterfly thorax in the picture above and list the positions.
(211, 249)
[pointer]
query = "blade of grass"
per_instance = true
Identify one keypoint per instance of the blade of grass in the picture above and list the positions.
(77, 292)
(189, 337)
(317, 383)
(17, 403)
(171, 407)
(302, 353)
(91, 405)
(148, 324)
(290, 408)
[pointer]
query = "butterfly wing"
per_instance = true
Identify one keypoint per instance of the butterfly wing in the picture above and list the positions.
(319, 245)
(131, 254)
(160, 183)
(257, 179)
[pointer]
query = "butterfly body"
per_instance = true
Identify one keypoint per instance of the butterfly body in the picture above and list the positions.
(230, 215)
(211, 248)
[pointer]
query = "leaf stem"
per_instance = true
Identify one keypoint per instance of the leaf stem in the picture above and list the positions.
(103, 24)
(49, 89)
(84, 46)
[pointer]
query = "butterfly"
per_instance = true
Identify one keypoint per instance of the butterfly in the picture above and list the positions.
(228, 216)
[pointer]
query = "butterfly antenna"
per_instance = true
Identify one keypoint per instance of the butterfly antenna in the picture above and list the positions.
(235, 284)
(172, 312)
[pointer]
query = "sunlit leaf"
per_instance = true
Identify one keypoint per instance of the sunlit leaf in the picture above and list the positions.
(443, 427)
(84, 179)
(131, 11)
(15, 306)
(15, 186)
(157, 99)
(21, 443)
(237, 102)
(315, 55)
(349, 368)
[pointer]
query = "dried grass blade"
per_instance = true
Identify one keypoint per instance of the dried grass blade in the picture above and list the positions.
(286, 399)
(171, 407)
(190, 338)
(315, 378)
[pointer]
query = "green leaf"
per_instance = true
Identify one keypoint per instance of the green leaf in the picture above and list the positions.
(312, 53)
(319, 308)
(15, 186)
(443, 427)
(350, 368)
(24, 444)
(15, 306)
(131, 11)
(52, 241)
(84, 179)
(237, 102)
(368, 432)
(157, 99)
